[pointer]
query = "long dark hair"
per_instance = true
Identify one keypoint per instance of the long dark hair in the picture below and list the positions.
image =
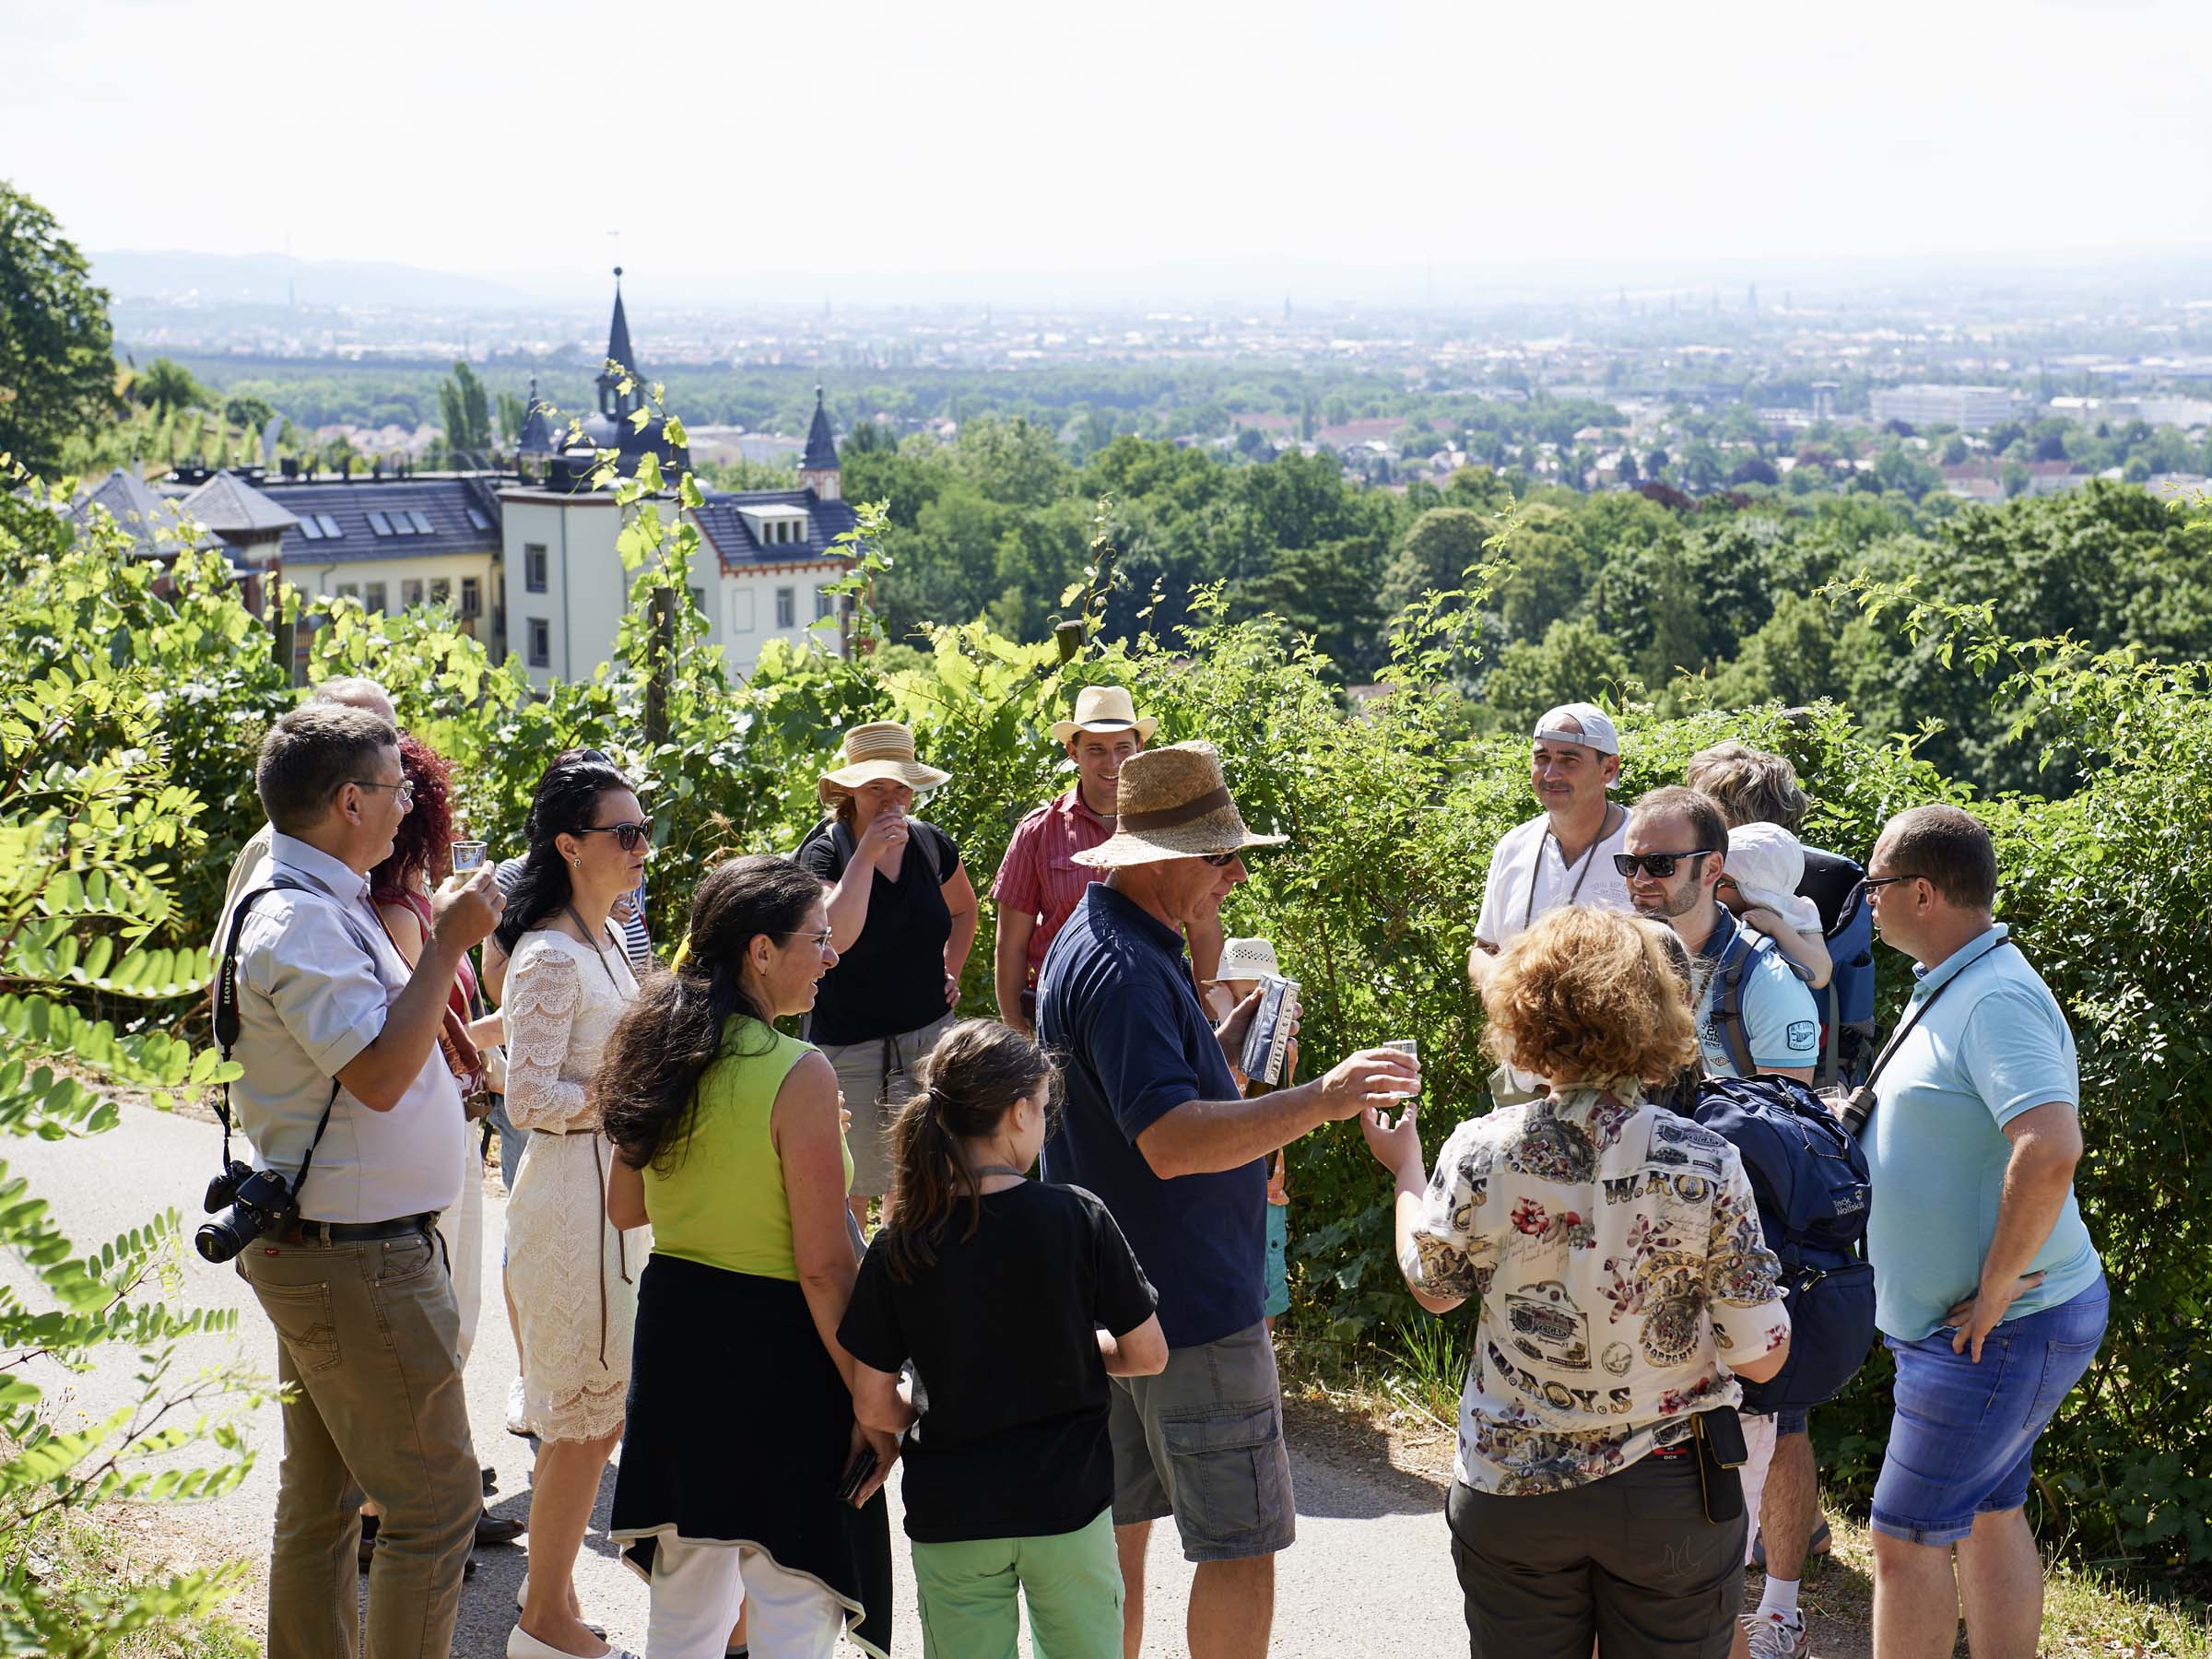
(677, 1026)
(568, 797)
(969, 1084)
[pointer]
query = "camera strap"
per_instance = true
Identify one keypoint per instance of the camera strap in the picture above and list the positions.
(1863, 1096)
(226, 1022)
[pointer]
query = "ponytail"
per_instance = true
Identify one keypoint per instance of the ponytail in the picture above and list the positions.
(969, 1084)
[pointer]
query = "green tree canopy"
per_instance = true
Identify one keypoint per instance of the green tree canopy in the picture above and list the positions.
(57, 352)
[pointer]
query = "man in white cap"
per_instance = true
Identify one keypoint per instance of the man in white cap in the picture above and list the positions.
(1563, 856)
(1039, 881)
(1155, 1125)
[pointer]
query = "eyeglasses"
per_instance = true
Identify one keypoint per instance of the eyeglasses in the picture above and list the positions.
(1658, 866)
(820, 941)
(1872, 886)
(1222, 861)
(404, 791)
(627, 835)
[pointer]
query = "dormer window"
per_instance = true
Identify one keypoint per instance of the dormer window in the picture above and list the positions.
(775, 526)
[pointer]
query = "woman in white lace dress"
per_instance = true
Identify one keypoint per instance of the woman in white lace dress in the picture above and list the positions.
(573, 1277)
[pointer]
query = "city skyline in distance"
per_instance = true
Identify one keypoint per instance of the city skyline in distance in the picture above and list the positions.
(863, 155)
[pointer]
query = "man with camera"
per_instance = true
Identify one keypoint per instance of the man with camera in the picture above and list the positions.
(357, 1126)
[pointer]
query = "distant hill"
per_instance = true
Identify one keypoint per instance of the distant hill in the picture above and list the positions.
(219, 279)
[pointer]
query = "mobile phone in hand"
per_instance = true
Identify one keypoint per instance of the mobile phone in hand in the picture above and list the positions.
(857, 1474)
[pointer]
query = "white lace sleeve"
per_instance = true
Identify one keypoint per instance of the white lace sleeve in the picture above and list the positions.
(543, 992)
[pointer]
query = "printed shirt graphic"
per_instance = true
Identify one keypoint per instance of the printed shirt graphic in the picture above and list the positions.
(1605, 1242)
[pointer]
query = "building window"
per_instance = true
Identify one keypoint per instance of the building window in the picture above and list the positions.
(533, 567)
(825, 605)
(410, 591)
(698, 599)
(471, 596)
(442, 590)
(787, 607)
(541, 643)
(349, 590)
(330, 526)
(741, 610)
(374, 597)
(309, 528)
(380, 524)
(478, 521)
(422, 524)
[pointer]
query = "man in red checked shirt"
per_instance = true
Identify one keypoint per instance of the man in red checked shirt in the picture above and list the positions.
(1039, 883)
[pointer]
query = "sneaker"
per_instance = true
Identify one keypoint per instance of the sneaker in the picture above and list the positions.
(517, 1410)
(1775, 1635)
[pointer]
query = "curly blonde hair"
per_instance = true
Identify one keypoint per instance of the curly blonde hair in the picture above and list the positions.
(1590, 996)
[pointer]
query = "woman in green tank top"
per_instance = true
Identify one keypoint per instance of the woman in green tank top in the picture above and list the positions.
(740, 1422)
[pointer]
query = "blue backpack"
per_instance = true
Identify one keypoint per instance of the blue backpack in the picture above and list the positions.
(1812, 1185)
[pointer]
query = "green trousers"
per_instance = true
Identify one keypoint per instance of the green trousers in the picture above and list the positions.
(1072, 1580)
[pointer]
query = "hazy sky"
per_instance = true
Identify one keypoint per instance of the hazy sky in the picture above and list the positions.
(768, 145)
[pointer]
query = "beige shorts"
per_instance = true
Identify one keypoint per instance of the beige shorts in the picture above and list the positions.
(876, 1077)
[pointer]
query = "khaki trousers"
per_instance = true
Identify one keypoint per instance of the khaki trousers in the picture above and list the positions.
(368, 1340)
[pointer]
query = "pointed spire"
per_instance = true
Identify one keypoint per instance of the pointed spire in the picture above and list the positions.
(618, 337)
(821, 444)
(612, 403)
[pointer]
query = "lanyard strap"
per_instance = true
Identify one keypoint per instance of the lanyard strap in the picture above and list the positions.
(1913, 1018)
(1536, 868)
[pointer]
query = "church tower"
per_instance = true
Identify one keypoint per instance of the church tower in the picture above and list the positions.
(818, 468)
(613, 402)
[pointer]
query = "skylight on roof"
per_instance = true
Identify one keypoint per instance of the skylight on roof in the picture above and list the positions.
(330, 526)
(309, 528)
(422, 524)
(477, 519)
(383, 525)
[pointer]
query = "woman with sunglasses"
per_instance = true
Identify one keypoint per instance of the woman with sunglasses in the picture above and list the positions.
(571, 1276)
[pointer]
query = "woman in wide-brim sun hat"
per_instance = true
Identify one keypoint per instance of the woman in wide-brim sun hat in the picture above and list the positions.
(903, 915)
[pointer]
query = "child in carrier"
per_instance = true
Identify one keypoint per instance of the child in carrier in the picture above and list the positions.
(1014, 1301)
(1759, 880)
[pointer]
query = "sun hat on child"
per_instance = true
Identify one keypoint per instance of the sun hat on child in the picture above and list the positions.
(1766, 862)
(1246, 959)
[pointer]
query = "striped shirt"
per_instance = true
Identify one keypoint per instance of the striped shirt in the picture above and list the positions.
(1039, 875)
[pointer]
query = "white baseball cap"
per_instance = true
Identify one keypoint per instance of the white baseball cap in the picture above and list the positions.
(1595, 728)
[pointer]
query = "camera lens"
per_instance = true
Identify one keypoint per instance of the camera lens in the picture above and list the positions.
(221, 1239)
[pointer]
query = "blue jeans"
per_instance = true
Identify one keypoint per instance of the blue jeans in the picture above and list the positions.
(1964, 1435)
(511, 1141)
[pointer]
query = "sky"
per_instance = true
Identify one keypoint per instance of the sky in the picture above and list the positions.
(853, 147)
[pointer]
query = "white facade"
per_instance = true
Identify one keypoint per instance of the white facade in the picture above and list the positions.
(1969, 409)
(567, 591)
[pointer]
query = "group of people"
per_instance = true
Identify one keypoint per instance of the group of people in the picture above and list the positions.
(1058, 1330)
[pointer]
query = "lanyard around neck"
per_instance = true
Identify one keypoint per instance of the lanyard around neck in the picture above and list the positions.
(1536, 868)
(597, 951)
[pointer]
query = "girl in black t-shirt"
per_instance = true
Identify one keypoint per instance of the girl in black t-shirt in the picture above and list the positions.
(1014, 1301)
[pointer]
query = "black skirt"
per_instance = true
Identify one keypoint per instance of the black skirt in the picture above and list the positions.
(739, 1429)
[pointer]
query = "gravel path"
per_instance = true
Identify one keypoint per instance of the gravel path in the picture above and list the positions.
(1369, 1574)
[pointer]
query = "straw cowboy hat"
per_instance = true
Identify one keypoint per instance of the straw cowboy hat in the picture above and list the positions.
(1171, 802)
(1104, 709)
(882, 748)
(1246, 959)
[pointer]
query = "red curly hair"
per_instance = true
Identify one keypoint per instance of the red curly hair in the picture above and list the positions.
(425, 842)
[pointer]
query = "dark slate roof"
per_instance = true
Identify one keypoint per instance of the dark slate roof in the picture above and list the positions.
(138, 509)
(228, 505)
(445, 504)
(537, 436)
(732, 538)
(617, 334)
(821, 444)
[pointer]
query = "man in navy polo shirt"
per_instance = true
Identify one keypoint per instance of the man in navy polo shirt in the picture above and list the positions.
(1155, 1125)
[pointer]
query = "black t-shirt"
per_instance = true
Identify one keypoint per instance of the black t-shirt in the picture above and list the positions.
(1003, 1332)
(892, 980)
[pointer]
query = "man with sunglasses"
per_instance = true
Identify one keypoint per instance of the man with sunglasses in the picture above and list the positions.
(1987, 1286)
(1673, 856)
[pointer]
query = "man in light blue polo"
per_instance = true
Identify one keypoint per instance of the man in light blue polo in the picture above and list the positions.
(1987, 1288)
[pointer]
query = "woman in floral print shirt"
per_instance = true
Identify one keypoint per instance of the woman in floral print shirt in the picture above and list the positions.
(1615, 1249)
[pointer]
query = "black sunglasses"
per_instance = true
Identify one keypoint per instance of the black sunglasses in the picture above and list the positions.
(627, 835)
(1658, 866)
(1222, 861)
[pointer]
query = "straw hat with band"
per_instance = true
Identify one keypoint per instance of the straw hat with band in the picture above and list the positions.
(1171, 802)
(881, 749)
(1104, 709)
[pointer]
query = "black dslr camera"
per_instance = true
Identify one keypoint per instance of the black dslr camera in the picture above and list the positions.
(252, 1201)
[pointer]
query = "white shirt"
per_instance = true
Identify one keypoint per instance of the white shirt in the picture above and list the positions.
(316, 976)
(1530, 875)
